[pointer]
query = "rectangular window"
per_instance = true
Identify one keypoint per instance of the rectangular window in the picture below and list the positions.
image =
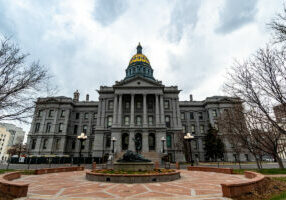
(40, 113)
(167, 120)
(150, 120)
(83, 145)
(110, 105)
(84, 129)
(191, 115)
(214, 113)
(61, 127)
(193, 129)
(200, 115)
(184, 128)
(138, 120)
(169, 141)
(93, 129)
(77, 116)
(37, 127)
(108, 140)
(127, 105)
(85, 115)
(45, 143)
(150, 105)
(63, 113)
(126, 120)
(51, 113)
(57, 145)
(182, 116)
(138, 105)
(195, 144)
(73, 144)
(48, 128)
(34, 143)
(202, 129)
(109, 121)
(75, 128)
(94, 115)
(166, 104)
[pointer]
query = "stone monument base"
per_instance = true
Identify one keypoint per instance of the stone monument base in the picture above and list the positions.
(133, 166)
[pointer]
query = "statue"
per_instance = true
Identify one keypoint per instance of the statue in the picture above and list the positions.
(131, 156)
(138, 144)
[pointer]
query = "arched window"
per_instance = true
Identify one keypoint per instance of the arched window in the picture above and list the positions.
(125, 141)
(151, 141)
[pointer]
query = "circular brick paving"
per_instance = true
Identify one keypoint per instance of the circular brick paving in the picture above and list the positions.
(73, 185)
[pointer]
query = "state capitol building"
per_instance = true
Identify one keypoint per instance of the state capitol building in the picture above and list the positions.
(139, 106)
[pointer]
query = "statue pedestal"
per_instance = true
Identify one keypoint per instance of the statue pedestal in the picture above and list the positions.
(133, 166)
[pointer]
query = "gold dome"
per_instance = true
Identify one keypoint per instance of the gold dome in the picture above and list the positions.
(139, 57)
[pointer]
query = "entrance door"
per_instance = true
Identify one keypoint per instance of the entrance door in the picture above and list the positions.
(125, 141)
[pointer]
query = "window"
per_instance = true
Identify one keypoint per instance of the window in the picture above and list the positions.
(110, 105)
(73, 145)
(57, 144)
(94, 116)
(182, 116)
(109, 121)
(184, 128)
(45, 143)
(200, 115)
(37, 127)
(193, 129)
(77, 116)
(84, 129)
(40, 113)
(151, 141)
(126, 120)
(202, 129)
(166, 104)
(63, 113)
(33, 144)
(93, 129)
(169, 141)
(167, 120)
(150, 120)
(195, 145)
(138, 105)
(75, 128)
(108, 140)
(48, 128)
(83, 145)
(191, 115)
(85, 115)
(51, 113)
(127, 105)
(138, 120)
(61, 127)
(150, 105)
(214, 113)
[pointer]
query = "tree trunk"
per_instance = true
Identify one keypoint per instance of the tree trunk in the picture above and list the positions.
(257, 162)
(279, 161)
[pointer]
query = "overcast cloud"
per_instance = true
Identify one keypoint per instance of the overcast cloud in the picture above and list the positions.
(85, 44)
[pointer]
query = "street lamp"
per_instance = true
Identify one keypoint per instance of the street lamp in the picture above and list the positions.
(113, 139)
(82, 137)
(189, 138)
(163, 141)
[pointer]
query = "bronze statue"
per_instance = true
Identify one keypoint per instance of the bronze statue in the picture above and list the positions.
(131, 156)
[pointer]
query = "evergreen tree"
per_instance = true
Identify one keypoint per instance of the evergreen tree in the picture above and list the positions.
(214, 145)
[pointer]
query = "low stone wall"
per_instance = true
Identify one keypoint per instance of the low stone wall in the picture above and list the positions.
(211, 169)
(60, 169)
(237, 189)
(11, 190)
(132, 178)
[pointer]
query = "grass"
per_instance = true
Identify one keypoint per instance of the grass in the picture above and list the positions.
(282, 195)
(262, 171)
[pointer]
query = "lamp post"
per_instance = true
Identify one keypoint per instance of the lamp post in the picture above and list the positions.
(82, 137)
(113, 139)
(189, 138)
(163, 142)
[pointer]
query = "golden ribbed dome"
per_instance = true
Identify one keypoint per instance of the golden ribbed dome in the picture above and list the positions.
(139, 57)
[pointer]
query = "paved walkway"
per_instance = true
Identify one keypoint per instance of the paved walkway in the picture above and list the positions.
(73, 186)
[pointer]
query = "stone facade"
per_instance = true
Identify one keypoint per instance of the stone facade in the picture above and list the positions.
(139, 105)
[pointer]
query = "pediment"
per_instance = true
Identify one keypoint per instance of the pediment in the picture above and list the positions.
(138, 81)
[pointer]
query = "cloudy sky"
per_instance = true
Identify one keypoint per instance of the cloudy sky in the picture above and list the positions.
(85, 44)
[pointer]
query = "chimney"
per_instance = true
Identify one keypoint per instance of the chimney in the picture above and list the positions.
(191, 97)
(87, 97)
(76, 96)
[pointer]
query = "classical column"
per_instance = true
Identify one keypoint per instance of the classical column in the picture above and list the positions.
(115, 110)
(178, 113)
(98, 122)
(144, 111)
(103, 113)
(162, 110)
(157, 110)
(119, 119)
(131, 145)
(145, 144)
(132, 110)
(174, 108)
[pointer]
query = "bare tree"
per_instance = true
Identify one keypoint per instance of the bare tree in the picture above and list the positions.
(20, 83)
(278, 25)
(182, 145)
(261, 82)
